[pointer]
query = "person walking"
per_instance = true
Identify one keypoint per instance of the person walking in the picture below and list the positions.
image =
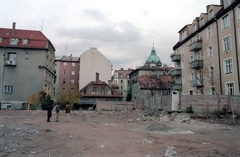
(49, 112)
(57, 109)
(68, 110)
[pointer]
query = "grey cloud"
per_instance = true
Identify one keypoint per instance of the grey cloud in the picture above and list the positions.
(104, 33)
(95, 14)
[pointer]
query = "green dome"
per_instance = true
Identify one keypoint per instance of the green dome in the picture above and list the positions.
(153, 58)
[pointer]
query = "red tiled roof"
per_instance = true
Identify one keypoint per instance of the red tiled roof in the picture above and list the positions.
(114, 94)
(152, 82)
(36, 39)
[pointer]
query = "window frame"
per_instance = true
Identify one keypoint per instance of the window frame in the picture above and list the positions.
(226, 43)
(229, 90)
(209, 31)
(228, 67)
(225, 21)
(8, 89)
(210, 51)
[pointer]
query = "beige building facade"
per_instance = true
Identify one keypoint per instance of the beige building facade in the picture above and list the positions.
(206, 57)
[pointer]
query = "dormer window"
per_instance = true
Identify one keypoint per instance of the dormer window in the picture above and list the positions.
(211, 14)
(24, 41)
(202, 22)
(1, 39)
(228, 2)
(14, 41)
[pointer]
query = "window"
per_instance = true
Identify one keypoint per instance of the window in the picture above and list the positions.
(115, 74)
(121, 87)
(65, 63)
(228, 66)
(63, 89)
(72, 81)
(212, 91)
(202, 22)
(73, 64)
(182, 48)
(121, 81)
(64, 81)
(102, 90)
(229, 88)
(8, 89)
(121, 75)
(64, 72)
(226, 43)
(94, 89)
(24, 41)
(192, 76)
(184, 92)
(194, 27)
(225, 21)
(12, 56)
(73, 72)
(238, 14)
(184, 34)
(14, 41)
(191, 58)
(1, 39)
(211, 14)
(183, 80)
(209, 32)
(228, 3)
(199, 55)
(210, 51)
(183, 64)
(211, 72)
(27, 55)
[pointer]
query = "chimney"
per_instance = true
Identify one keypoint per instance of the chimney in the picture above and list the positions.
(13, 28)
(97, 77)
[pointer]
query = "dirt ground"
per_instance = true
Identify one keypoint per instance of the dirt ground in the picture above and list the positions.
(116, 134)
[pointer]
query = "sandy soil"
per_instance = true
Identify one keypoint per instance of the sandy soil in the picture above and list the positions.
(115, 134)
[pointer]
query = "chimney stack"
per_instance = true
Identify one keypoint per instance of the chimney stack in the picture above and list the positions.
(13, 28)
(97, 77)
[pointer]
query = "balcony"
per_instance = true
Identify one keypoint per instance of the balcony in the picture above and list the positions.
(176, 86)
(177, 72)
(10, 63)
(175, 57)
(195, 46)
(197, 64)
(197, 83)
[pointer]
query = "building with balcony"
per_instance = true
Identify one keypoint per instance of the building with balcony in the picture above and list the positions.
(208, 52)
(26, 65)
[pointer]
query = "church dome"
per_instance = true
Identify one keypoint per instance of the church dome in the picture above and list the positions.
(153, 58)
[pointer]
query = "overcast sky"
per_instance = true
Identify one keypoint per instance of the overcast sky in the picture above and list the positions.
(122, 30)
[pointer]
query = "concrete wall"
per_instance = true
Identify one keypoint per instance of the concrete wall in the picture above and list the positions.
(199, 103)
(114, 105)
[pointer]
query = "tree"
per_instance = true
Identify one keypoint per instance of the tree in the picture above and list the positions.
(33, 101)
(72, 96)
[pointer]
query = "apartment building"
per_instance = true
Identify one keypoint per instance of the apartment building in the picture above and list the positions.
(26, 65)
(120, 79)
(206, 57)
(67, 71)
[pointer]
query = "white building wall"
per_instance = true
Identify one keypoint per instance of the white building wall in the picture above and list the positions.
(92, 61)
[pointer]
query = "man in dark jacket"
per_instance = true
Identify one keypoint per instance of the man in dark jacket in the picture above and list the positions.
(49, 112)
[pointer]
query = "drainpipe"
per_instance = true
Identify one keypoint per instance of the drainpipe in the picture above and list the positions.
(4, 56)
(219, 60)
(235, 36)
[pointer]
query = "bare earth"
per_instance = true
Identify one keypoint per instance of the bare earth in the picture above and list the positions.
(115, 134)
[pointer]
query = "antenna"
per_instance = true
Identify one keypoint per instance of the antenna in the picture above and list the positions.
(42, 26)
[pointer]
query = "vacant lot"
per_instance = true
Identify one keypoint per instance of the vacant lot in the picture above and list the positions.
(115, 134)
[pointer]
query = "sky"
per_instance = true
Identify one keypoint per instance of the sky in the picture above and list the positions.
(123, 31)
